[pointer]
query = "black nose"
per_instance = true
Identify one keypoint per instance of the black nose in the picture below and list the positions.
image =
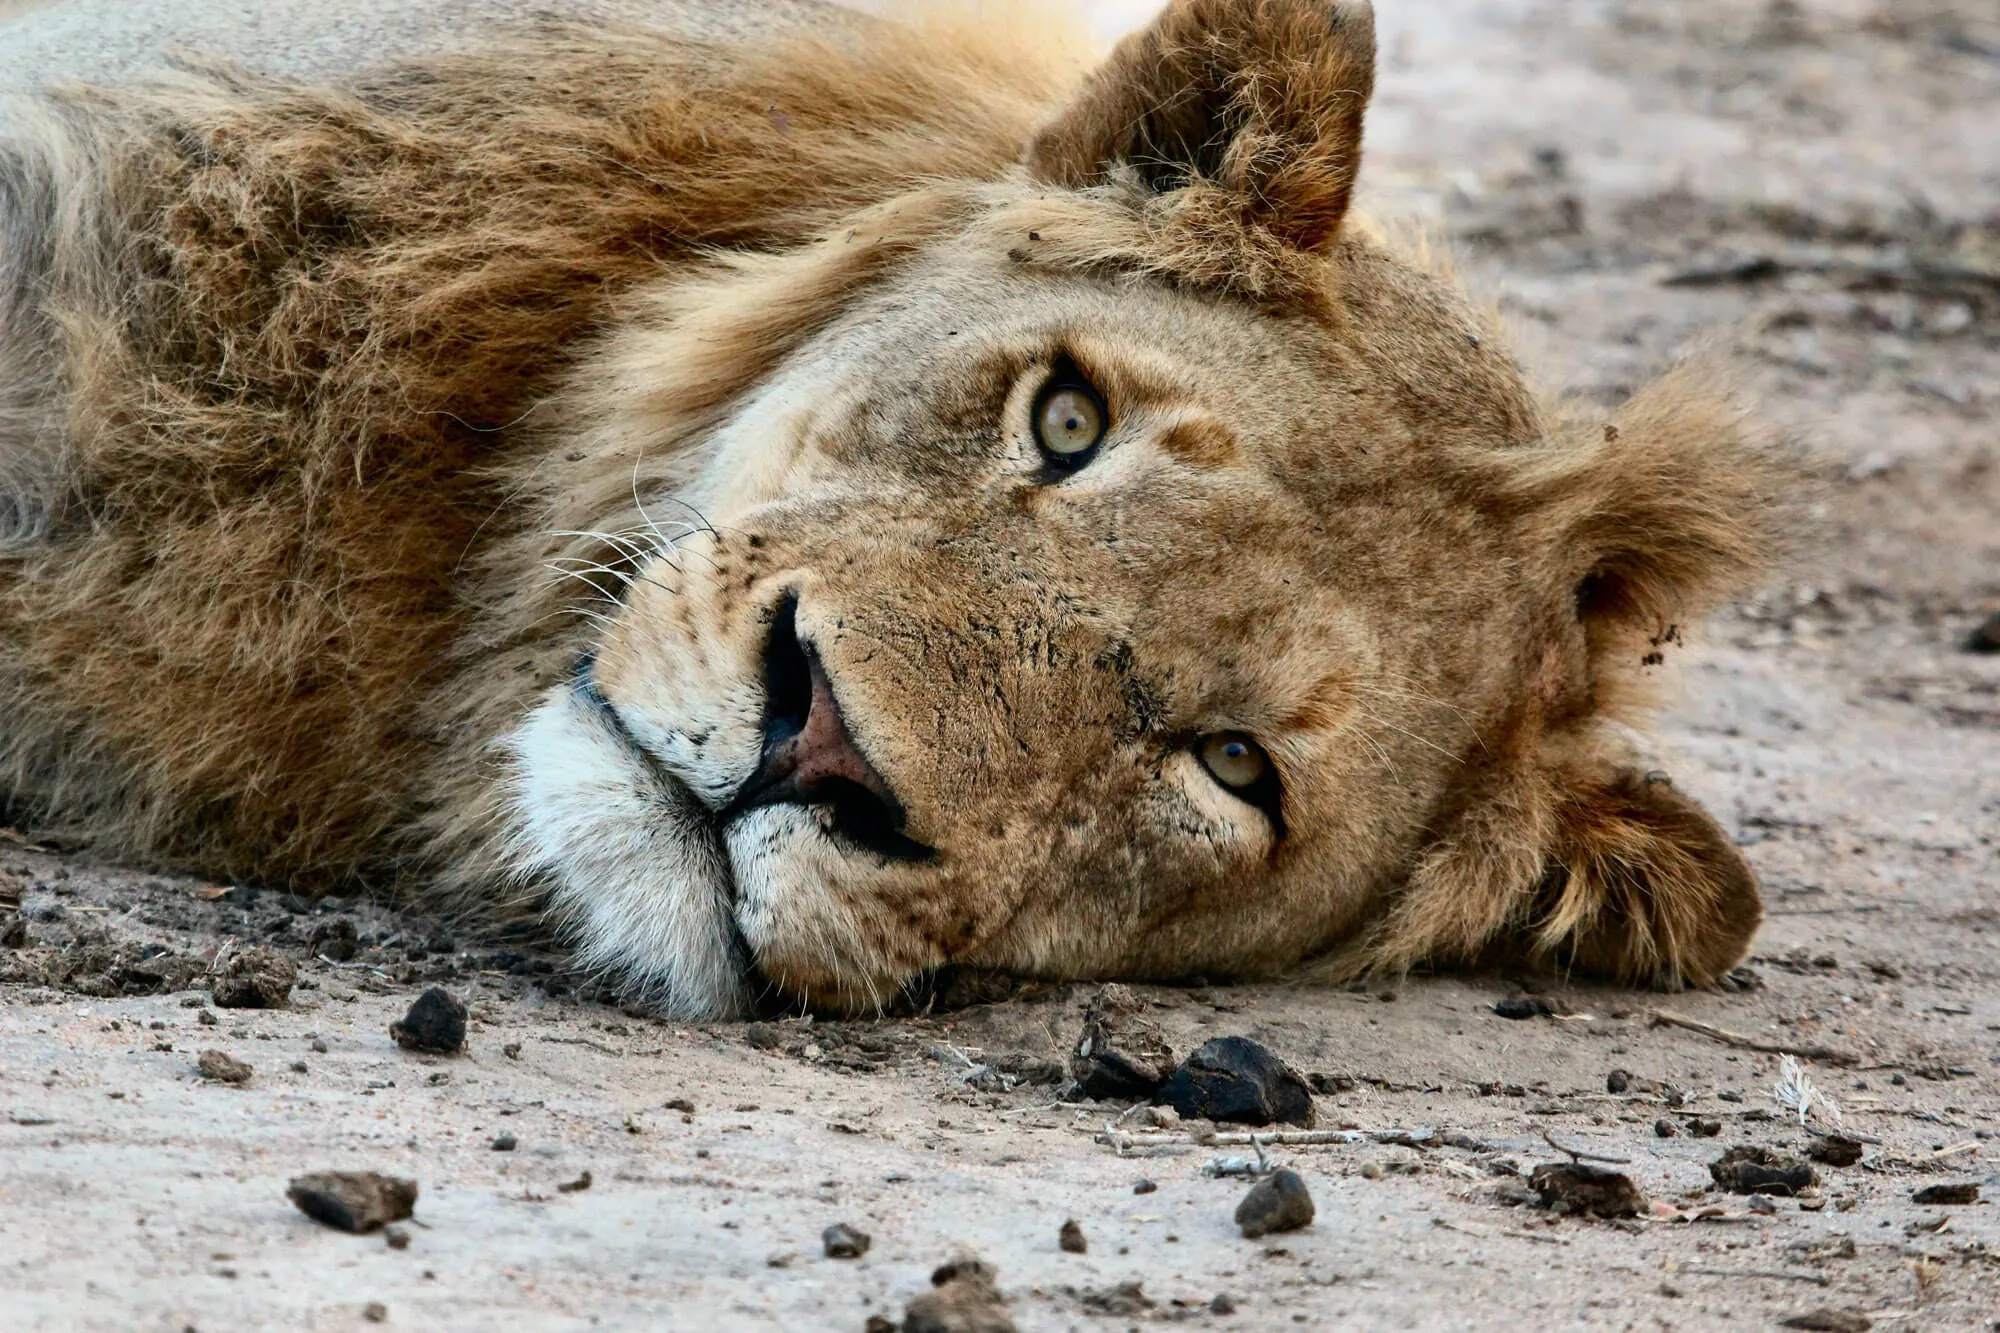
(809, 758)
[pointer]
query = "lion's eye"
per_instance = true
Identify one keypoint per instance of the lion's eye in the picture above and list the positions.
(1234, 760)
(1069, 422)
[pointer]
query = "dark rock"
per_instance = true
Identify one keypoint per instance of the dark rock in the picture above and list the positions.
(1237, 1080)
(1618, 1080)
(1144, 1187)
(398, 1238)
(506, 1143)
(1070, 1237)
(1327, 1084)
(1523, 1006)
(1279, 1202)
(223, 1067)
(1665, 1128)
(963, 1299)
(356, 1201)
(255, 978)
(1748, 1169)
(1577, 1187)
(1222, 1304)
(1835, 1150)
(1829, 1321)
(1985, 638)
(841, 1241)
(1704, 1129)
(1120, 1054)
(1957, 1193)
(435, 1023)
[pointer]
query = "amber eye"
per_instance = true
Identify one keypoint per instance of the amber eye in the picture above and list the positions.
(1069, 422)
(1234, 760)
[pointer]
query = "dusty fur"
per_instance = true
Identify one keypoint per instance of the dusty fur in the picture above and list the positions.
(341, 427)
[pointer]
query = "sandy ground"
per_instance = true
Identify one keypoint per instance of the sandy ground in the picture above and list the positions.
(1818, 183)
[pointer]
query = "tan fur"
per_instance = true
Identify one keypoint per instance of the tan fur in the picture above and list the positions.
(402, 382)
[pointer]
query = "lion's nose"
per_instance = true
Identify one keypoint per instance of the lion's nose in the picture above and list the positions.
(809, 757)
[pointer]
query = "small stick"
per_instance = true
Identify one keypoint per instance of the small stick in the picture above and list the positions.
(1582, 1156)
(1778, 1275)
(1824, 1054)
(1287, 1138)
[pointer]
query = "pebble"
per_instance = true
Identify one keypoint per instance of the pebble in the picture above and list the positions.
(434, 1024)
(1523, 1006)
(1237, 1080)
(223, 1067)
(1279, 1202)
(1966, 1192)
(1144, 1187)
(506, 1143)
(1985, 638)
(841, 1241)
(1071, 1238)
(356, 1201)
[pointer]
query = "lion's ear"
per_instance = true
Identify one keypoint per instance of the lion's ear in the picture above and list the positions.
(1257, 101)
(1639, 884)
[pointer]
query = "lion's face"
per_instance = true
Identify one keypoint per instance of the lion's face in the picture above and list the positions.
(1061, 617)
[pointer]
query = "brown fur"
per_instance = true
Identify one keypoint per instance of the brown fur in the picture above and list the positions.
(381, 357)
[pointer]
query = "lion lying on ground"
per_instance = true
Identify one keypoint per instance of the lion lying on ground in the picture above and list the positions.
(806, 505)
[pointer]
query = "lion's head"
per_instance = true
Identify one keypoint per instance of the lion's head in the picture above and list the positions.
(1127, 567)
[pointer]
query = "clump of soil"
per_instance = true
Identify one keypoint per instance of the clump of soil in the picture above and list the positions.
(356, 1201)
(1279, 1202)
(1070, 1238)
(1577, 1187)
(1835, 1150)
(1121, 1054)
(255, 978)
(435, 1024)
(1749, 1169)
(222, 1067)
(1238, 1080)
(963, 1299)
(92, 964)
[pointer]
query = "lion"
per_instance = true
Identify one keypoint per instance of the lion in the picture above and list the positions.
(797, 501)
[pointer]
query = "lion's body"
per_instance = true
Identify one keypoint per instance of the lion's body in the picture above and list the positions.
(308, 381)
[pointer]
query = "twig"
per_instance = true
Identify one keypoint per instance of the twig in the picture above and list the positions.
(1778, 1275)
(1824, 1054)
(1287, 1138)
(1582, 1156)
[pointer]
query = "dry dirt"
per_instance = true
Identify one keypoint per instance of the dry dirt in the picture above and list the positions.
(1817, 183)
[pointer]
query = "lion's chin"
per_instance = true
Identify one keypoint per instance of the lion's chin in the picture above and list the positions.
(634, 866)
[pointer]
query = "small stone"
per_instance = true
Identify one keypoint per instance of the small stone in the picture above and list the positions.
(319, 1045)
(1966, 1192)
(207, 1018)
(1577, 1187)
(223, 1067)
(356, 1201)
(1664, 1128)
(1222, 1304)
(1120, 1055)
(841, 1241)
(1704, 1129)
(1144, 1187)
(1748, 1169)
(1835, 1150)
(1235, 1079)
(435, 1024)
(1618, 1080)
(255, 978)
(1279, 1202)
(506, 1143)
(1070, 1237)
(375, 1312)
(335, 939)
(1523, 1006)
(512, 1050)
(397, 1237)
(681, 1104)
